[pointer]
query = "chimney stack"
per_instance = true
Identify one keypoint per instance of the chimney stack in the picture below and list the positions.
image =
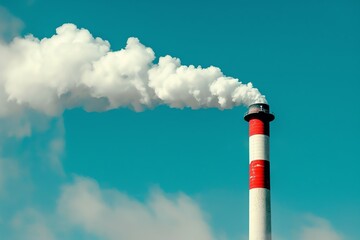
(259, 117)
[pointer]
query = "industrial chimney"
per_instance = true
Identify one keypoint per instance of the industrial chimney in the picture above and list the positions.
(259, 117)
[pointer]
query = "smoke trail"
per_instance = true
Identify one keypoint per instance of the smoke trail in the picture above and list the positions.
(74, 69)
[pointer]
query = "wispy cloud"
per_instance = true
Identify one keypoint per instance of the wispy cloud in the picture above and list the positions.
(84, 208)
(316, 228)
(111, 214)
(9, 170)
(30, 224)
(10, 26)
(56, 146)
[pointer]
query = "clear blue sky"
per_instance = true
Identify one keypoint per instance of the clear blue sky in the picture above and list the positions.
(304, 56)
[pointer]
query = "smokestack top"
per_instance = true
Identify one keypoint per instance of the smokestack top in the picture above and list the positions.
(259, 111)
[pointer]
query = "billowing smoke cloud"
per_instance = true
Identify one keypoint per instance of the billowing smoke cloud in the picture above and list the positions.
(74, 69)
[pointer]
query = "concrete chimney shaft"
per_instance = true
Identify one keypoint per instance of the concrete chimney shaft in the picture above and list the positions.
(259, 117)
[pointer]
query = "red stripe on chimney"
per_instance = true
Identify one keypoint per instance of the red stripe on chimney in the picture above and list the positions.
(258, 126)
(259, 174)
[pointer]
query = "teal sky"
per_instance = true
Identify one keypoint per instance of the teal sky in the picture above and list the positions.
(304, 56)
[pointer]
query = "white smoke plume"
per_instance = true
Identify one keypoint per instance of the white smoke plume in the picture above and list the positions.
(74, 69)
